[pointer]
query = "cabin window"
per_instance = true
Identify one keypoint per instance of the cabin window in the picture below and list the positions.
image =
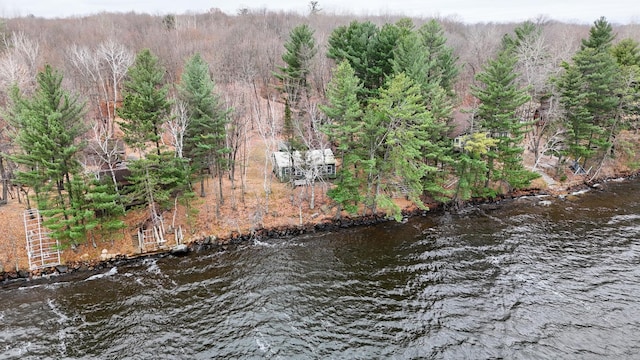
(329, 169)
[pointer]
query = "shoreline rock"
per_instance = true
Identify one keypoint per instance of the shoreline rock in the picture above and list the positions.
(86, 268)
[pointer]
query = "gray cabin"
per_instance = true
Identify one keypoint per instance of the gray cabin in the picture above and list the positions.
(316, 164)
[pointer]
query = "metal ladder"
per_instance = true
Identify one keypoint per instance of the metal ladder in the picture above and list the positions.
(42, 251)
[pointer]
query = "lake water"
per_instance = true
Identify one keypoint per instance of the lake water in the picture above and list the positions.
(522, 280)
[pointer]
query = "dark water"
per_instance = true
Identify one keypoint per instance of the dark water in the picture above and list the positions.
(523, 280)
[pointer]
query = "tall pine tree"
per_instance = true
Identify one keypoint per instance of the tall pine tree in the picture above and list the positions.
(49, 131)
(343, 129)
(500, 98)
(592, 89)
(205, 136)
(145, 106)
(369, 51)
(601, 36)
(396, 132)
(49, 128)
(294, 76)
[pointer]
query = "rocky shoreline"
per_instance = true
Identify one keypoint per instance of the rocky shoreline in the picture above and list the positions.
(84, 269)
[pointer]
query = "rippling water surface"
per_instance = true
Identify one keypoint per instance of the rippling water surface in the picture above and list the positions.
(517, 281)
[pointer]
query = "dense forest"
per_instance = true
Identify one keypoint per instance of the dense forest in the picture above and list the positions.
(106, 114)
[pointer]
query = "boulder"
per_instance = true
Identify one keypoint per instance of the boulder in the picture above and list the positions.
(180, 249)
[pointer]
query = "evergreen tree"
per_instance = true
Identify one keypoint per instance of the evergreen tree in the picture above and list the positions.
(289, 129)
(410, 57)
(156, 181)
(49, 134)
(500, 98)
(71, 223)
(107, 206)
(343, 111)
(144, 102)
(352, 43)
(522, 33)
(382, 54)
(627, 55)
(578, 121)
(601, 36)
(146, 186)
(397, 130)
(300, 50)
(471, 166)
(343, 130)
(601, 75)
(205, 136)
(424, 57)
(591, 92)
(443, 68)
(95, 209)
(369, 51)
(50, 127)
(627, 52)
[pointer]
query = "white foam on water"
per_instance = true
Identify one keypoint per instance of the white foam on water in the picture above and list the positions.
(623, 218)
(262, 343)
(62, 318)
(280, 244)
(113, 271)
(154, 268)
(576, 193)
(620, 179)
(50, 286)
(257, 242)
(23, 349)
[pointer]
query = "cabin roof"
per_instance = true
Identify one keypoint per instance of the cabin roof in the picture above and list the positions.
(312, 157)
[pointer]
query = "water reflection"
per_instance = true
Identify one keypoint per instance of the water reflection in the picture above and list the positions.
(522, 280)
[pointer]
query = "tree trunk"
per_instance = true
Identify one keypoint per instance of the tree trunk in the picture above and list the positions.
(4, 190)
(489, 171)
(374, 208)
(312, 201)
(219, 171)
(218, 201)
(5, 182)
(243, 170)
(202, 192)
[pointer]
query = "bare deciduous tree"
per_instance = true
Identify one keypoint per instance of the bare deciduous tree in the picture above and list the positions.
(237, 137)
(100, 73)
(13, 71)
(28, 48)
(117, 59)
(91, 82)
(107, 150)
(177, 125)
(268, 130)
(314, 140)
